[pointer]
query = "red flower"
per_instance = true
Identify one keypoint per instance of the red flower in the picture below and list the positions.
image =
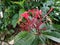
(32, 11)
(35, 13)
(38, 13)
(34, 22)
(25, 15)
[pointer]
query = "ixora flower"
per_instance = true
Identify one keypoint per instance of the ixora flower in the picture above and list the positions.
(34, 22)
(34, 12)
(25, 15)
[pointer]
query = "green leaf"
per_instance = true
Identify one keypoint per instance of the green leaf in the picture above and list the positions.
(15, 19)
(52, 33)
(42, 39)
(25, 39)
(53, 38)
(21, 11)
(21, 3)
(35, 41)
(57, 26)
(20, 35)
(42, 25)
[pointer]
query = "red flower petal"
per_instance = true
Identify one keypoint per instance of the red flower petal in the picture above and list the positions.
(25, 15)
(40, 12)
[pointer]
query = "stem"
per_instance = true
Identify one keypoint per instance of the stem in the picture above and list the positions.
(51, 9)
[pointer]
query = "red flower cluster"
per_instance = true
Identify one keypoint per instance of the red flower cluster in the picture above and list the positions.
(33, 19)
(33, 12)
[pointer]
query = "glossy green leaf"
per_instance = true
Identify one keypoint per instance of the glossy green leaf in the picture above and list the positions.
(21, 11)
(53, 38)
(52, 33)
(15, 20)
(25, 39)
